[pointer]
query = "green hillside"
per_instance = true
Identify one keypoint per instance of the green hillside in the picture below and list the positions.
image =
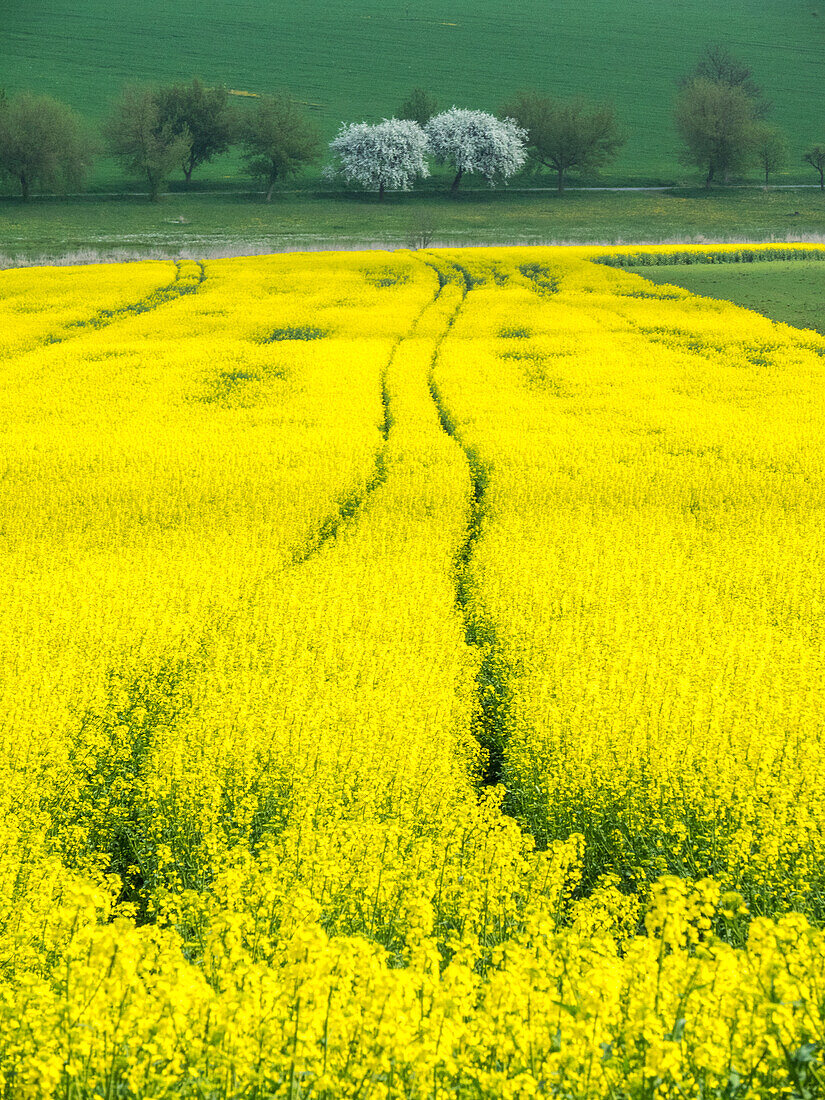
(353, 59)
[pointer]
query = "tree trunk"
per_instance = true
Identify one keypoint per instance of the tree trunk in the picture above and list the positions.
(561, 180)
(457, 180)
(709, 177)
(25, 189)
(272, 179)
(154, 186)
(380, 192)
(187, 172)
(822, 179)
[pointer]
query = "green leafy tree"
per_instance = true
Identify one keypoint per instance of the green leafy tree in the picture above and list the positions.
(815, 156)
(278, 140)
(419, 106)
(145, 142)
(201, 113)
(716, 123)
(566, 136)
(770, 148)
(43, 143)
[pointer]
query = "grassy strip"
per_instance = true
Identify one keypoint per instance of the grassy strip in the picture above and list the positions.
(213, 225)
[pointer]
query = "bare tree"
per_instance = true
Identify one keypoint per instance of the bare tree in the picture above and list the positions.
(567, 136)
(421, 229)
(720, 66)
(770, 148)
(816, 158)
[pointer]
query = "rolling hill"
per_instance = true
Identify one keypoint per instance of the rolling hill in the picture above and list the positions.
(354, 59)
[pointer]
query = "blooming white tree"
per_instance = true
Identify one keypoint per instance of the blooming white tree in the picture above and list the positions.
(388, 154)
(474, 141)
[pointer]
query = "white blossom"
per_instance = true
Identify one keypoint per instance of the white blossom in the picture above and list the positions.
(474, 141)
(388, 154)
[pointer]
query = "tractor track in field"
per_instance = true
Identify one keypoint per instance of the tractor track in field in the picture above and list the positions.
(493, 693)
(161, 296)
(156, 298)
(350, 508)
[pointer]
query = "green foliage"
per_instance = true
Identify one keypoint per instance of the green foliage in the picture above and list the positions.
(201, 113)
(111, 760)
(294, 332)
(709, 257)
(278, 140)
(567, 136)
(419, 106)
(542, 277)
(145, 142)
(43, 143)
(716, 124)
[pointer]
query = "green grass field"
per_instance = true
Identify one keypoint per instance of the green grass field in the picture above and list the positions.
(790, 292)
(353, 59)
(212, 224)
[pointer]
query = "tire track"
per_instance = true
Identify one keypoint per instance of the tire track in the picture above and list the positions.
(352, 506)
(493, 709)
(183, 283)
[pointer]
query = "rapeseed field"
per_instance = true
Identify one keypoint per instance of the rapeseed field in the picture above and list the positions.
(413, 683)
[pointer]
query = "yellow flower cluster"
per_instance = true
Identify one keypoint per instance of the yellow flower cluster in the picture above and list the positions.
(43, 305)
(412, 684)
(652, 566)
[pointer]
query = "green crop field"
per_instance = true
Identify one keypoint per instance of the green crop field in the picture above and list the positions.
(790, 292)
(354, 59)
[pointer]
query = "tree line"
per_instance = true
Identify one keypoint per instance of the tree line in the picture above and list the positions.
(720, 114)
